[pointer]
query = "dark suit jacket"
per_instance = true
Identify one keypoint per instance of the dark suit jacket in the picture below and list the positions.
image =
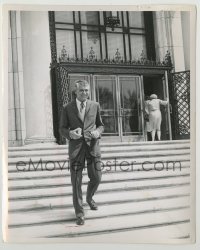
(70, 120)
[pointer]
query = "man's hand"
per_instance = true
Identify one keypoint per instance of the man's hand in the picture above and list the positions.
(95, 134)
(75, 134)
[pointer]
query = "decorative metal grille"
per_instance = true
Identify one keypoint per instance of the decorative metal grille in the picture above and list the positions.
(62, 98)
(181, 104)
(117, 59)
(63, 92)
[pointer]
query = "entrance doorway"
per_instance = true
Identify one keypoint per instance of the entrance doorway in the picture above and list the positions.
(156, 85)
(121, 101)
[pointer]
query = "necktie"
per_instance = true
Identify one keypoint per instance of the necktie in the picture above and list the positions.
(82, 107)
(82, 111)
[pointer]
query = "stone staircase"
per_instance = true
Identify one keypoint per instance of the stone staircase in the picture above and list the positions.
(144, 194)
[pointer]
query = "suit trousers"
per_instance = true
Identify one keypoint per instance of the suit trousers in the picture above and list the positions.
(77, 166)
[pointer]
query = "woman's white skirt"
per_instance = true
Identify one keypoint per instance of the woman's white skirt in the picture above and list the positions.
(155, 119)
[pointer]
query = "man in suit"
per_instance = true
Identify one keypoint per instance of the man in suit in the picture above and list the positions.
(81, 124)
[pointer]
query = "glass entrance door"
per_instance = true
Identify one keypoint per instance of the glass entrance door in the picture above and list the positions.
(106, 95)
(130, 106)
(120, 99)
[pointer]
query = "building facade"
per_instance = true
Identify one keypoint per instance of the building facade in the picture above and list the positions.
(124, 56)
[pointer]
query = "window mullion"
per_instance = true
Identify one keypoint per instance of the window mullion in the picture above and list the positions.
(123, 35)
(129, 38)
(81, 42)
(106, 45)
(100, 43)
(75, 34)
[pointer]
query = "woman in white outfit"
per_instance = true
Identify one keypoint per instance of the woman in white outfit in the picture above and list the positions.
(155, 118)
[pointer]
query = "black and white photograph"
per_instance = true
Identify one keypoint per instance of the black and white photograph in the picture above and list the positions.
(99, 132)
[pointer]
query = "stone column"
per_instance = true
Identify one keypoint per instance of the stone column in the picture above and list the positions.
(185, 17)
(168, 36)
(37, 86)
(16, 113)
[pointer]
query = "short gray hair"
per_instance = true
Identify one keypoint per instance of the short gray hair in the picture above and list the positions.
(80, 82)
(153, 96)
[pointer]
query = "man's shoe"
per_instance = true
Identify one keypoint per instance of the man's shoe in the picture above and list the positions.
(93, 205)
(80, 220)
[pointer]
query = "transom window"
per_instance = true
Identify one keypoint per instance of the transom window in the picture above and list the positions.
(83, 34)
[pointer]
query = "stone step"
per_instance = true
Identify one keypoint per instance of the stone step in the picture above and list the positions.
(111, 149)
(63, 191)
(95, 226)
(46, 146)
(144, 198)
(55, 216)
(55, 163)
(119, 176)
(118, 196)
(119, 155)
(60, 173)
(177, 233)
(172, 233)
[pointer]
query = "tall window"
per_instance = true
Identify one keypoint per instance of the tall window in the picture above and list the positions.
(80, 34)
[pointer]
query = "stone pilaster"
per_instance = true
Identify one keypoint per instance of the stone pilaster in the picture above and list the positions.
(37, 86)
(168, 36)
(185, 17)
(16, 113)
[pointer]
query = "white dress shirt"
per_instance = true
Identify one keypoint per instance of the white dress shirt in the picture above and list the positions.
(81, 114)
